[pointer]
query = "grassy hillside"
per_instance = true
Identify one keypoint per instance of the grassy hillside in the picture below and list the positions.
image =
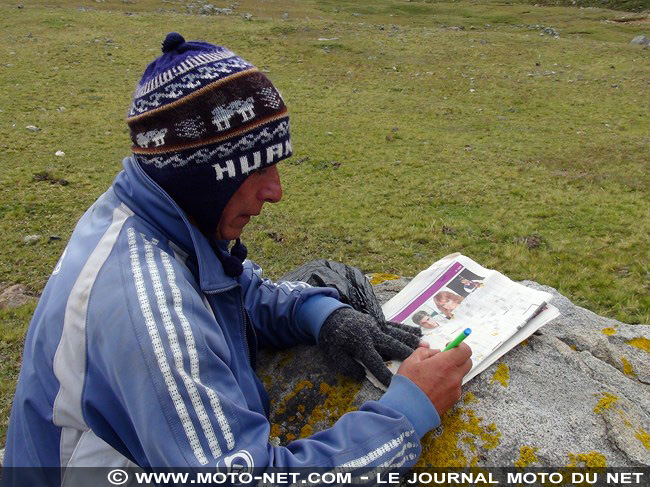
(624, 5)
(419, 129)
(628, 5)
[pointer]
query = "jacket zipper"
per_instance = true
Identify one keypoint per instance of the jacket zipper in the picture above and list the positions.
(245, 335)
(219, 291)
(244, 317)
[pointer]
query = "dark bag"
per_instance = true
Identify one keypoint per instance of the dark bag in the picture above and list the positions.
(349, 281)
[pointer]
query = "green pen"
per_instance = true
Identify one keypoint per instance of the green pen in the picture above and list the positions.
(458, 340)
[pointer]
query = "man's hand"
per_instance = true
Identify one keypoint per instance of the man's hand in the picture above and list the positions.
(348, 335)
(438, 374)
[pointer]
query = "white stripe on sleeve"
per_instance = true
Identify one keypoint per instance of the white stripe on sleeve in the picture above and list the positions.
(194, 357)
(159, 352)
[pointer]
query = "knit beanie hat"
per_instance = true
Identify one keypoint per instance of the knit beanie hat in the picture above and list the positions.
(202, 120)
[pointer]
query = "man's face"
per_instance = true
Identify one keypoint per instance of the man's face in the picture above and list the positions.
(428, 322)
(260, 187)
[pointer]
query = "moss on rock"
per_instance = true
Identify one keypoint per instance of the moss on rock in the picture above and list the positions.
(526, 456)
(644, 438)
(593, 459)
(501, 375)
(459, 442)
(641, 343)
(378, 278)
(627, 367)
(607, 401)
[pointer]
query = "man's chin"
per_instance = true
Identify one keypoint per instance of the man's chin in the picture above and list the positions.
(229, 234)
(233, 230)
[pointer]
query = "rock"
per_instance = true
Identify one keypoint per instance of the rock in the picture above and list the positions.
(550, 31)
(32, 128)
(14, 297)
(285, 16)
(31, 239)
(47, 177)
(531, 241)
(640, 41)
(385, 290)
(209, 9)
(2, 456)
(576, 392)
(59, 153)
(247, 16)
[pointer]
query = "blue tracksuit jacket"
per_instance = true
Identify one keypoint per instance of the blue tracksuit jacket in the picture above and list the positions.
(142, 351)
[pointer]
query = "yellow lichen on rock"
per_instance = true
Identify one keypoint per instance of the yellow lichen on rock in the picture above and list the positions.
(526, 456)
(379, 277)
(267, 381)
(460, 426)
(593, 459)
(627, 368)
(640, 343)
(317, 415)
(300, 386)
(624, 418)
(644, 438)
(338, 401)
(286, 357)
(340, 398)
(469, 398)
(502, 375)
(306, 431)
(609, 331)
(276, 431)
(606, 402)
(282, 407)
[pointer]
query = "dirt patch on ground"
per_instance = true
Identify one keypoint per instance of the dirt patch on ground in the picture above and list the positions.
(632, 20)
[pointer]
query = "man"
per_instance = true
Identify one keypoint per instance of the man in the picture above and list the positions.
(425, 320)
(142, 349)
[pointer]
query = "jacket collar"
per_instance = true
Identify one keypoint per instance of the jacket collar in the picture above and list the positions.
(153, 205)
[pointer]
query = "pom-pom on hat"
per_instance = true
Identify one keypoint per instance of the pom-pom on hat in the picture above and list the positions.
(202, 120)
(172, 41)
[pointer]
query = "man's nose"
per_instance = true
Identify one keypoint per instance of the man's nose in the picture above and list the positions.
(271, 191)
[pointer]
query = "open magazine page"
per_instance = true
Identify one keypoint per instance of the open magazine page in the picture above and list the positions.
(548, 313)
(457, 293)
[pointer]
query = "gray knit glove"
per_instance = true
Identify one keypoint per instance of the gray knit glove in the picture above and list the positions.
(348, 335)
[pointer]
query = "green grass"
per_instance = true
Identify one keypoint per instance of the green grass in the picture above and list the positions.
(627, 5)
(624, 5)
(397, 162)
(12, 331)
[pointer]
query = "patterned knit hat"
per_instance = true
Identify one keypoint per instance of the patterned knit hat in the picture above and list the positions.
(202, 120)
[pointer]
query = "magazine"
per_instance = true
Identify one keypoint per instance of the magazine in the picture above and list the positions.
(456, 293)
